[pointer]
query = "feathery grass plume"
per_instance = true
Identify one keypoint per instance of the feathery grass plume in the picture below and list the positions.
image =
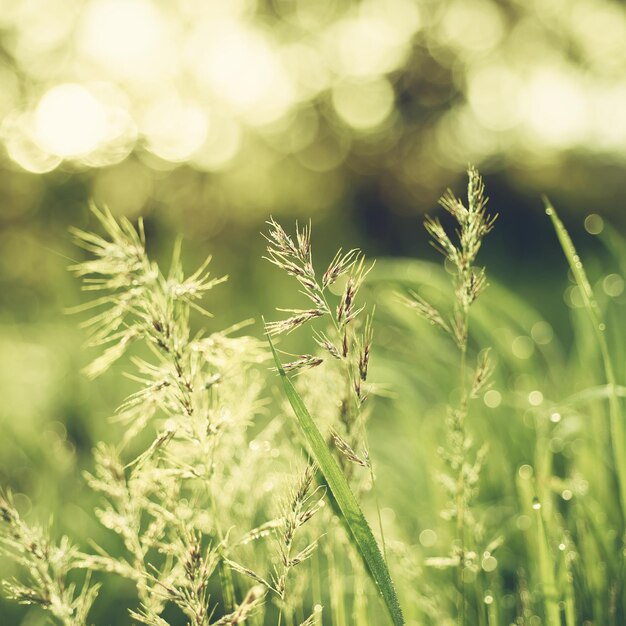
(344, 447)
(474, 223)
(190, 590)
(197, 396)
(345, 344)
(47, 567)
(138, 301)
(299, 506)
(460, 480)
(346, 340)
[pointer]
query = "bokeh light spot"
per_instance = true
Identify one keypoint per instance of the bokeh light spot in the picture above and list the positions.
(238, 64)
(496, 96)
(128, 38)
(221, 144)
(428, 538)
(492, 399)
(557, 108)
(23, 148)
(368, 47)
(69, 121)
(542, 333)
(489, 564)
(594, 224)
(472, 25)
(175, 129)
(363, 105)
(523, 347)
(613, 285)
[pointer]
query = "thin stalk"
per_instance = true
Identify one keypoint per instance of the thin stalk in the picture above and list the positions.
(316, 587)
(359, 609)
(338, 587)
(569, 600)
(461, 493)
(377, 502)
(335, 597)
(225, 572)
(492, 614)
(546, 571)
(480, 603)
(616, 418)
(460, 530)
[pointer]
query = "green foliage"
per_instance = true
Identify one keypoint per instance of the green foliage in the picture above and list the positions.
(498, 443)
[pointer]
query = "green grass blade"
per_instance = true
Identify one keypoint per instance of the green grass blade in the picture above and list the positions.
(360, 531)
(618, 428)
(601, 392)
(546, 571)
(577, 268)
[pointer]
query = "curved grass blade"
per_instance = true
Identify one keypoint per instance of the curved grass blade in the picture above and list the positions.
(360, 531)
(618, 428)
(601, 392)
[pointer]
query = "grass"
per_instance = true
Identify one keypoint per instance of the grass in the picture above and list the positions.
(618, 428)
(450, 460)
(346, 504)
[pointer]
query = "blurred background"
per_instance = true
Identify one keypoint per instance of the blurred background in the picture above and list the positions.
(208, 116)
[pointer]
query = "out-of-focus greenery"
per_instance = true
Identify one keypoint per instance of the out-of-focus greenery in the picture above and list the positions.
(207, 116)
(242, 107)
(544, 418)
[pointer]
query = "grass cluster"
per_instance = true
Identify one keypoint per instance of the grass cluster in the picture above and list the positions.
(433, 457)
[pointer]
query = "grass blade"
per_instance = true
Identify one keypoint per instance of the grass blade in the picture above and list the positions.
(546, 571)
(618, 428)
(360, 531)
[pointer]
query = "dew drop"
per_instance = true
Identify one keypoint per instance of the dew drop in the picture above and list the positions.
(489, 564)
(536, 504)
(555, 418)
(602, 327)
(548, 211)
(525, 472)
(561, 547)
